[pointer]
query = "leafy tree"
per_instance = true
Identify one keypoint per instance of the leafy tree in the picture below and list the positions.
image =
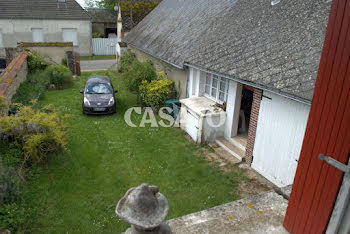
(109, 4)
(90, 3)
(137, 10)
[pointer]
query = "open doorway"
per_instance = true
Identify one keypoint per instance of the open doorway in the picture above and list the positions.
(110, 32)
(239, 112)
(244, 117)
(245, 110)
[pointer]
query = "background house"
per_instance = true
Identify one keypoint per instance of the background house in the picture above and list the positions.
(44, 21)
(256, 59)
(104, 22)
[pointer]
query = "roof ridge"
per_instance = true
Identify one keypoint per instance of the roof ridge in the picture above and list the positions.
(42, 9)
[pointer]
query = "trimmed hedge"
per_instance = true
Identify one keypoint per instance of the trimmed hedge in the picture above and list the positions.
(138, 72)
(59, 75)
(126, 60)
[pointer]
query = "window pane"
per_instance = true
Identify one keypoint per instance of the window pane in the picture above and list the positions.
(215, 83)
(208, 79)
(207, 89)
(213, 92)
(222, 86)
(222, 96)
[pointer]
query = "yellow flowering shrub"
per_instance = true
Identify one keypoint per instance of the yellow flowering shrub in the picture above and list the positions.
(37, 132)
(35, 62)
(156, 92)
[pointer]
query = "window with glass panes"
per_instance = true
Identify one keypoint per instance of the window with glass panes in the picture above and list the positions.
(216, 87)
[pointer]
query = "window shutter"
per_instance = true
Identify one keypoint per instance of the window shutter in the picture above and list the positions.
(70, 35)
(1, 42)
(37, 34)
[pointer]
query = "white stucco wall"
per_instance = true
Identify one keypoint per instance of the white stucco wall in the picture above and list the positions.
(179, 76)
(14, 31)
(279, 137)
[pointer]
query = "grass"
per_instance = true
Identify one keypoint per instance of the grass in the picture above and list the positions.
(77, 191)
(97, 57)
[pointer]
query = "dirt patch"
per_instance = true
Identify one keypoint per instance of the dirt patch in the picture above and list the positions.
(220, 159)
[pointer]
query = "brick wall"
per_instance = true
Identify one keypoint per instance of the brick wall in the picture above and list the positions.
(252, 125)
(13, 76)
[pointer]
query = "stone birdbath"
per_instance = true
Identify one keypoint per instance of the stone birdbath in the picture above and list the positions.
(145, 209)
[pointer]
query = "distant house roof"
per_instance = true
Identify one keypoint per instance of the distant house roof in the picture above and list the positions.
(275, 47)
(42, 9)
(101, 15)
(126, 19)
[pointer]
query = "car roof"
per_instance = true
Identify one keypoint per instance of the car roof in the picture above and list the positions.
(98, 79)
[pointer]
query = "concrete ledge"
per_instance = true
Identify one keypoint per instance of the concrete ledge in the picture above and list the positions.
(285, 191)
(263, 213)
(44, 44)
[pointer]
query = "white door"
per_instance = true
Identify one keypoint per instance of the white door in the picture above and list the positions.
(192, 125)
(279, 136)
(38, 35)
(70, 35)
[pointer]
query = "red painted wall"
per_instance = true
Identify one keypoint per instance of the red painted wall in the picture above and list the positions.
(316, 183)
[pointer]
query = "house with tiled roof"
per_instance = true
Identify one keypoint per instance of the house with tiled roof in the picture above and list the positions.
(45, 21)
(246, 72)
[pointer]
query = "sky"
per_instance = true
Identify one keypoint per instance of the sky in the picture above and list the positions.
(81, 2)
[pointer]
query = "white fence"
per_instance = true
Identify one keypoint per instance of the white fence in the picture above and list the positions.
(104, 46)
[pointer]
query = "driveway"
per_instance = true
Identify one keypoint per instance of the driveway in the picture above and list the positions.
(96, 65)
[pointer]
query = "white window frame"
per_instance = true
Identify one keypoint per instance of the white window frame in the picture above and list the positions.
(74, 38)
(37, 37)
(217, 88)
(1, 40)
(194, 82)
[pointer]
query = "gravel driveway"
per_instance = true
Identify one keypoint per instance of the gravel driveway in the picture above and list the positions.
(93, 65)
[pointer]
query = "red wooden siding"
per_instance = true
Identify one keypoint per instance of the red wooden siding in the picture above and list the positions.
(316, 184)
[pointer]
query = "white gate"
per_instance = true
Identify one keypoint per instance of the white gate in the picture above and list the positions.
(104, 46)
(279, 136)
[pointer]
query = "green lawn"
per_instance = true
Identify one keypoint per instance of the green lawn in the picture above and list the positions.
(97, 57)
(77, 191)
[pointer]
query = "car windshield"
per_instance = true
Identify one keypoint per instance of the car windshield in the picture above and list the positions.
(98, 88)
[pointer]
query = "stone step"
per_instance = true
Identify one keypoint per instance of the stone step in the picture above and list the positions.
(230, 148)
(239, 141)
(224, 155)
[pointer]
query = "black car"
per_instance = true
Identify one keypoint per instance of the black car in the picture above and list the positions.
(99, 96)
